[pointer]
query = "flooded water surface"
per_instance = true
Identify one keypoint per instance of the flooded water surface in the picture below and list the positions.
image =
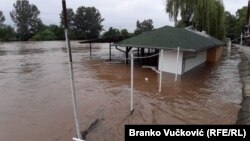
(35, 96)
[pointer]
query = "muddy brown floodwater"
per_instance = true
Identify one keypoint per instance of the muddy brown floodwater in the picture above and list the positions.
(35, 97)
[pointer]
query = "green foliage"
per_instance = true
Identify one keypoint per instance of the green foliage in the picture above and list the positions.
(146, 25)
(2, 18)
(51, 32)
(207, 15)
(111, 32)
(7, 33)
(241, 15)
(45, 35)
(124, 32)
(58, 31)
(232, 30)
(25, 17)
(87, 21)
(70, 19)
(234, 24)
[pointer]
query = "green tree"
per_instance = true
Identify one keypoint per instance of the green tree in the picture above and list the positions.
(2, 18)
(70, 18)
(111, 32)
(146, 25)
(45, 35)
(7, 33)
(124, 32)
(25, 17)
(58, 31)
(51, 32)
(207, 15)
(88, 23)
(230, 26)
(241, 15)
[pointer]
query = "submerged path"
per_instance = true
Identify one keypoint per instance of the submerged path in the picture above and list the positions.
(244, 68)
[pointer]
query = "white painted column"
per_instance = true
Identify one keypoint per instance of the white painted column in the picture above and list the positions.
(177, 64)
(132, 84)
(160, 65)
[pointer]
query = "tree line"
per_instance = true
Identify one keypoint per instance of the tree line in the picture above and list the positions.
(84, 23)
(209, 16)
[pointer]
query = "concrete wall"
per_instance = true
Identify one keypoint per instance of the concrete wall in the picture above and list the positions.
(192, 62)
(169, 64)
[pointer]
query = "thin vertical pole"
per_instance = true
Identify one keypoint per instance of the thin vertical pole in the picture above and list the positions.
(90, 50)
(160, 67)
(177, 64)
(132, 83)
(71, 70)
(109, 51)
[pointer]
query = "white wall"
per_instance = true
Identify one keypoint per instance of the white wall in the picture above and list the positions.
(169, 63)
(190, 63)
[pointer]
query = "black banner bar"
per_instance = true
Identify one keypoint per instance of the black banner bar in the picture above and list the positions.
(192, 132)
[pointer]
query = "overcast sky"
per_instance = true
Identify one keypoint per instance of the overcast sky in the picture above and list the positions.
(117, 13)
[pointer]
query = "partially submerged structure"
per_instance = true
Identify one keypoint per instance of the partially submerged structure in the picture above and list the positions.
(189, 47)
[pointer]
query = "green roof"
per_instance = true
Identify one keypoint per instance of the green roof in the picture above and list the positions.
(171, 38)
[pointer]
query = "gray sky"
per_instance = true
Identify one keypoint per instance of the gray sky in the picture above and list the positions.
(117, 13)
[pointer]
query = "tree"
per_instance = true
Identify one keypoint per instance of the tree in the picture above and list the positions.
(124, 32)
(25, 17)
(205, 15)
(2, 18)
(241, 15)
(146, 25)
(58, 31)
(234, 24)
(230, 26)
(70, 18)
(87, 21)
(51, 32)
(7, 33)
(45, 35)
(111, 32)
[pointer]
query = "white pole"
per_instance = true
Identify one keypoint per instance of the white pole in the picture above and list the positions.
(74, 101)
(76, 139)
(73, 94)
(160, 67)
(132, 83)
(177, 64)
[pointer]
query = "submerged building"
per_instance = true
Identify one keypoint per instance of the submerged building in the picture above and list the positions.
(191, 48)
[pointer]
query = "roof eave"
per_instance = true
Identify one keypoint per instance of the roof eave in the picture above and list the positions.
(141, 46)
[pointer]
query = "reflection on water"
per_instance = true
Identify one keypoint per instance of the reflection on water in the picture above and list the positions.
(35, 100)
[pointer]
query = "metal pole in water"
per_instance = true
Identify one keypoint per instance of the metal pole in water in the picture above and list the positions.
(177, 64)
(160, 81)
(132, 84)
(71, 70)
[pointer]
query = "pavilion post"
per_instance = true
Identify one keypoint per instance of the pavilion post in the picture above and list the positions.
(90, 50)
(132, 84)
(177, 64)
(160, 80)
(109, 51)
(127, 50)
